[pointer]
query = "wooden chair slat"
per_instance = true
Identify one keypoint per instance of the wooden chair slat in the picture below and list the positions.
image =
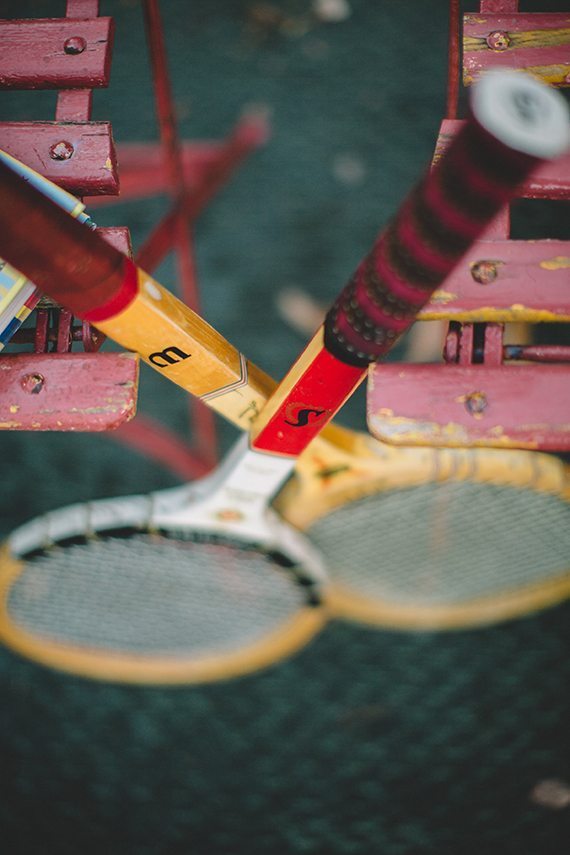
(507, 281)
(506, 406)
(55, 53)
(119, 237)
(536, 42)
(80, 157)
(67, 391)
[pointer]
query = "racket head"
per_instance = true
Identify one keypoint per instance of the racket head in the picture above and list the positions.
(419, 538)
(98, 591)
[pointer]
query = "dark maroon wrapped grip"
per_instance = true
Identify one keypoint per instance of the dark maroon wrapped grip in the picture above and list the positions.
(436, 225)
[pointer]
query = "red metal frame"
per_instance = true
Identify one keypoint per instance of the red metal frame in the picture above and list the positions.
(191, 175)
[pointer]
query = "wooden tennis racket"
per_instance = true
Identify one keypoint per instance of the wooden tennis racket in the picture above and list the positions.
(445, 213)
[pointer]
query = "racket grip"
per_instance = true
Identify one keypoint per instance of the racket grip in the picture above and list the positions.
(61, 256)
(513, 125)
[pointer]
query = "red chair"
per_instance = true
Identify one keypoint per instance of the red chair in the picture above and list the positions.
(489, 392)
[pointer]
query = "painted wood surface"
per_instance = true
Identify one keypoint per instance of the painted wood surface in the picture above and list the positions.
(73, 391)
(507, 281)
(55, 53)
(79, 157)
(508, 406)
(537, 42)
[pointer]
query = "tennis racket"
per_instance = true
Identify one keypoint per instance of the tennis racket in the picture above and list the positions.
(408, 262)
(19, 296)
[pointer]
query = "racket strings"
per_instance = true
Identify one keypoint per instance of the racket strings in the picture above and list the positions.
(445, 543)
(154, 594)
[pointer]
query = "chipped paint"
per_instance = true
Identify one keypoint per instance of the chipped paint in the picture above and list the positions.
(551, 37)
(404, 431)
(516, 312)
(14, 408)
(94, 410)
(108, 165)
(559, 262)
(442, 296)
(472, 396)
(552, 74)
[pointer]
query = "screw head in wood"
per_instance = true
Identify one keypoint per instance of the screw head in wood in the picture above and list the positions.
(476, 403)
(74, 45)
(61, 150)
(32, 383)
(498, 40)
(484, 272)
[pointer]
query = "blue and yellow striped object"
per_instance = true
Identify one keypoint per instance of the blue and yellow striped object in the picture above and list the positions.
(19, 296)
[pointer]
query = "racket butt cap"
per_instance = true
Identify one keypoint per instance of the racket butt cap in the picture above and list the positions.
(522, 113)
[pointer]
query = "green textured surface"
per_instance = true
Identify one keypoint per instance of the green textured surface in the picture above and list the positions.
(366, 742)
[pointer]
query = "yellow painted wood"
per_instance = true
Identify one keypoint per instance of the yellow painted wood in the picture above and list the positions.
(554, 75)
(517, 313)
(179, 344)
(291, 378)
(522, 39)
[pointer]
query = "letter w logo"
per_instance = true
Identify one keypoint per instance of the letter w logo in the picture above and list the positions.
(168, 356)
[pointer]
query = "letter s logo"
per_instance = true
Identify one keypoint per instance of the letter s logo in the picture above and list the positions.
(298, 415)
(168, 356)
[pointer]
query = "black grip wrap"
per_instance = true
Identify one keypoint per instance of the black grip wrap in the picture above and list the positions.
(450, 207)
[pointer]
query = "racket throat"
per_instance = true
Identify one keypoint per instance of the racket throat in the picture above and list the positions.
(234, 504)
(233, 500)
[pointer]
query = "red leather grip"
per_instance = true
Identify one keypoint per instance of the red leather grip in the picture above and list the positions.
(434, 227)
